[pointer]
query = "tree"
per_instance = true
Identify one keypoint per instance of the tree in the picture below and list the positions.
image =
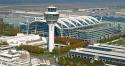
(7, 29)
(70, 42)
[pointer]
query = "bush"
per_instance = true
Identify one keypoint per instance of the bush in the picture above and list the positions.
(3, 43)
(64, 61)
(30, 48)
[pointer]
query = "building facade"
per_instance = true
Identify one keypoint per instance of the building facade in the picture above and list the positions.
(24, 39)
(81, 27)
(109, 54)
(12, 57)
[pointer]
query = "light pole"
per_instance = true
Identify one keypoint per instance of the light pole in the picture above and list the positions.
(61, 31)
(51, 17)
(27, 21)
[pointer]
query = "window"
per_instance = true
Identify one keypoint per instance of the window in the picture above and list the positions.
(72, 55)
(78, 56)
(85, 57)
(104, 60)
(90, 58)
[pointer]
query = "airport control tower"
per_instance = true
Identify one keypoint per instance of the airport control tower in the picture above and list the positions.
(51, 17)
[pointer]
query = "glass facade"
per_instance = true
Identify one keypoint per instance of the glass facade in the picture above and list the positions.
(82, 27)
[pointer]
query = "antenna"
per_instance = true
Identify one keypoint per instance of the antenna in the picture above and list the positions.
(51, 2)
(100, 15)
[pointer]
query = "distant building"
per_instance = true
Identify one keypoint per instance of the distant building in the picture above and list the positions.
(22, 39)
(16, 17)
(106, 53)
(11, 57)
(82, 10)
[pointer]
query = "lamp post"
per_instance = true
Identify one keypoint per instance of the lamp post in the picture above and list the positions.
(28, 23)
(51, 17)
(27, 20)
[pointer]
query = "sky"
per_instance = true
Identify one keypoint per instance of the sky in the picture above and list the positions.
(84, 2)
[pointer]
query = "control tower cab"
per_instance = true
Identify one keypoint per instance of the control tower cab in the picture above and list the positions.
(51, 16)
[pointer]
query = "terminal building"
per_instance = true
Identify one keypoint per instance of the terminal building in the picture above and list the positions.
(107, 53)
(81, 27)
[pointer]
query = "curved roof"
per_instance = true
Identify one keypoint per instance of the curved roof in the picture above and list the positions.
(75, 22)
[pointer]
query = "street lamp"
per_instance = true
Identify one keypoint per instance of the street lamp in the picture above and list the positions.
(28, 23)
